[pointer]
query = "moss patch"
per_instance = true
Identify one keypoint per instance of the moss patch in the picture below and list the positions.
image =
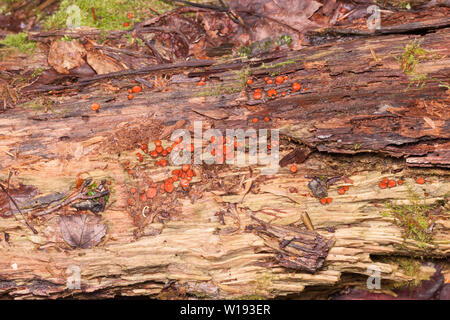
(409, 266)
(412, 218)
(220, 89)
(19, 41)
(263, 46)
(412, 55)
(401, 4)
(110, 14)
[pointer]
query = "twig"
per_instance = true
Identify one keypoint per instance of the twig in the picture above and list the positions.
(260, 15)
(144, 82)
(153, 50)
(398, 29)
(166, 30)
(203, 6)
(9, 179)
(233, 15)
(145, 70)
(307, 221)
(15, 204)
(81, 194)
(93, 13)
(223, 8)
(123, 51)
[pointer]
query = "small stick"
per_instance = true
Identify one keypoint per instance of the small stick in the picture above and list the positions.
(144, 82)
(9, 178)
(15, 204)
(373, 54)
(307, 221)
(79, 195)
(93, 13)
(155, 52)
(203, 6)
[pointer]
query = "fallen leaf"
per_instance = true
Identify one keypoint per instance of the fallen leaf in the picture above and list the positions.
(297, 155)
(66, 55)
(82, 230)
(215, 114)
(269, 19)
(20, 194)
(101, 63)
(167, 131)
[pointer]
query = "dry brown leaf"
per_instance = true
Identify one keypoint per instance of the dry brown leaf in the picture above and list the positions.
(215, 114)
(297, 155)
(283, 17)
(82, 230)
(66, 55)
(101, 63)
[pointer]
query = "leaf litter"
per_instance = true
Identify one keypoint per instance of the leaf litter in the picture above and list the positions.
(82, 230)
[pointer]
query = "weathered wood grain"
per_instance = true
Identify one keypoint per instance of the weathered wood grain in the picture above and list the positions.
(354, 105)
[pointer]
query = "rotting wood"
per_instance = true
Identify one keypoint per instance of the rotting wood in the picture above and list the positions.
(348, 115)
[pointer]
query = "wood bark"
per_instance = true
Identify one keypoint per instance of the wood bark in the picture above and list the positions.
(358, 114)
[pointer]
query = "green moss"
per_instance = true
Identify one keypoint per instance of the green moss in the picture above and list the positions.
(401, 4)
(444, 84)
(19, 41)
(219, 89)
(37, 72)
(131, 40)
(412, 55)
(412, 218)
(410, 266)
(66, 38)
(111, 14)
(262, 46)
(244, 51)
(242, 75)
(40, 105)
(277, 67)
(419, 80)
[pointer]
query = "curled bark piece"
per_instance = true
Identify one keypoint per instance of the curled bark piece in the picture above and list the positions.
(296, 248)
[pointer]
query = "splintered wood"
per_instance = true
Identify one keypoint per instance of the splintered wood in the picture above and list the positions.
(235, 232)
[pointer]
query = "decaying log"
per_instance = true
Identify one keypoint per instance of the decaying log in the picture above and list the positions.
(354, 101)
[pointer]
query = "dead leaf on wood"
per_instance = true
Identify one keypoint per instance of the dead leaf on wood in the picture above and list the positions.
(20, 194)
(82, 230)
(297, 155)
(82, 71)
(167, 131)
(66, 55)
(215, 114)
(273, 18)
(102, 63)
